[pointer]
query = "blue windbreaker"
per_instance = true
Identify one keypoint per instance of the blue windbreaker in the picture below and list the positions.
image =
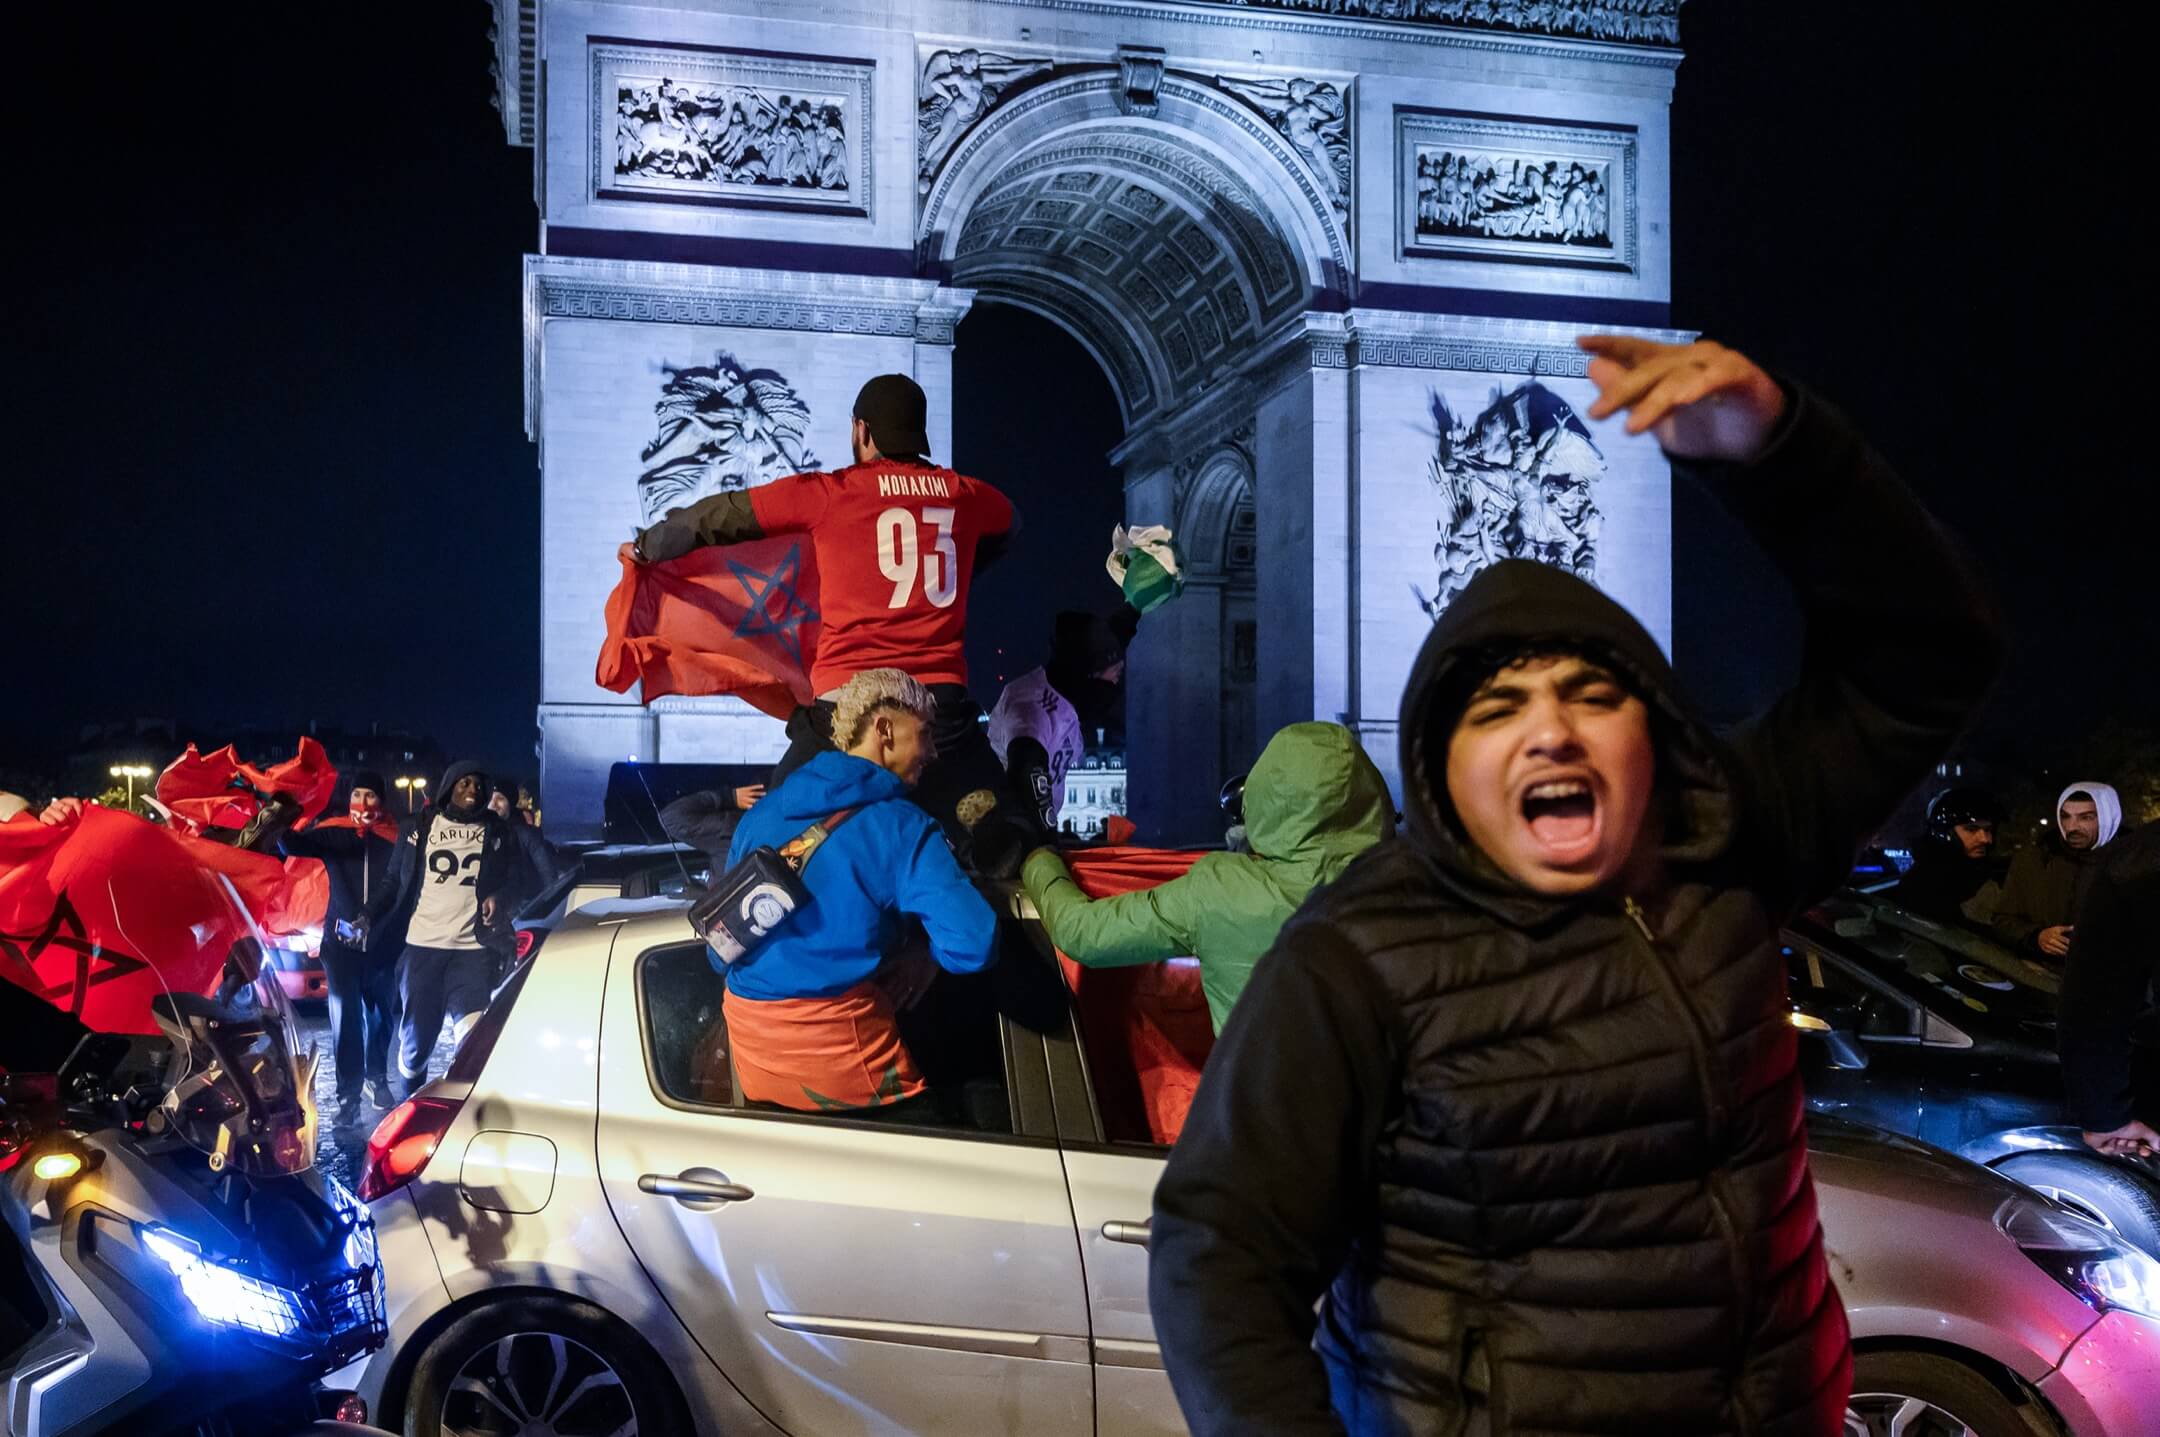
(889, 860)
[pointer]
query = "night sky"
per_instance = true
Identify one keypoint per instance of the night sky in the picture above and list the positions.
(268, 459)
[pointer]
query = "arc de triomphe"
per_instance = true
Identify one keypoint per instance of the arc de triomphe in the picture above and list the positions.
(1331, 256)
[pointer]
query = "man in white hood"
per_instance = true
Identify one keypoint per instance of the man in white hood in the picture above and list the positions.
(2047, 882)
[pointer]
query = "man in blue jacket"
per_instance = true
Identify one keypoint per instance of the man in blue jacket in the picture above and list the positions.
(812, 1014)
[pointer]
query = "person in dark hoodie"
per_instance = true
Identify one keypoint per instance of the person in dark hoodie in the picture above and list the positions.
(359, 963)
(1954, 858)
(2110, 1019)
(706, 819)
(1518, 1093)
(535, 864)
(454, 862)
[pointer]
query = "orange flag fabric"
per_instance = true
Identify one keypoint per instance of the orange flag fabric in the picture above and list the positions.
(198, 786)
(1147, 1025)
(739, 619)
(102, 914)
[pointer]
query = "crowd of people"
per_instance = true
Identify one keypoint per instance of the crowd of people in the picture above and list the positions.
(1547, 1169)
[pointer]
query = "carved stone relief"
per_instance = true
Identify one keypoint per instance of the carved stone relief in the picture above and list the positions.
(958, 88)
(1314, 116)
(1516, 481)
(1636, 22)
(721, 427)
(722, 127)
(1471, 185)
(1140, 72)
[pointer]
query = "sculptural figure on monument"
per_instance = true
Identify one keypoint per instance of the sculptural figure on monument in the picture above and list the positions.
(729, 134)
(1516, 482)
(721, 427)
(1312, 116)
(959, 87)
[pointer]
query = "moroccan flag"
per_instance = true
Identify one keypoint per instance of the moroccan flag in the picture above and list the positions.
(100, 915)
(738, 619)
(1150, 1021)
(198, 786)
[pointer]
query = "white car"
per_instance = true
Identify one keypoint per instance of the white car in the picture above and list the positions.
(585, 1233)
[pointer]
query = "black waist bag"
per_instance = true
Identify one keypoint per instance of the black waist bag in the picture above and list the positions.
(753, 898)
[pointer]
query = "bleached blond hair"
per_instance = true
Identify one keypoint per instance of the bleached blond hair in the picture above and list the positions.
(861, 697)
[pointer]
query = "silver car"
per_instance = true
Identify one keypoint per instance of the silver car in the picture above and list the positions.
(585, 1232)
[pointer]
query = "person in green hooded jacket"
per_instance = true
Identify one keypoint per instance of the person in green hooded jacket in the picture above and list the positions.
(1313, 802)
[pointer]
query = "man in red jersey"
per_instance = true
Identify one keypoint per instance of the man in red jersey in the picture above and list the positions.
(898, 540)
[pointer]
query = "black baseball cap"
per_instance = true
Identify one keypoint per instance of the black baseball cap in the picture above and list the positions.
(894, 407)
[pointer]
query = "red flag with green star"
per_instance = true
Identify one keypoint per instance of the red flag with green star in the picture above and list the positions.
(738, 619)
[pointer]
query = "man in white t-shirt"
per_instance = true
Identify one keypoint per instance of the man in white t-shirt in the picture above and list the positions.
(452, 868)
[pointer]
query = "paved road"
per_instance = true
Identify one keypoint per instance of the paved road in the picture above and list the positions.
(340, 1150)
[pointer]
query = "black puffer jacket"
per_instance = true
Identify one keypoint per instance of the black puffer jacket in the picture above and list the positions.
(1545, 1156)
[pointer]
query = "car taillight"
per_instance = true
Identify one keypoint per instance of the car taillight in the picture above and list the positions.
(527, 940)
(402, 1143)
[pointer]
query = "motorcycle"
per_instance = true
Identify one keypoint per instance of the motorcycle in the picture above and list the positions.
(172, 1263)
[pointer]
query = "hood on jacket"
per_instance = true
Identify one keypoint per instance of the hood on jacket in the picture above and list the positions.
(450, 778)
(2107, 805)
(1521, 603)
(830, 782)
(1315, 796)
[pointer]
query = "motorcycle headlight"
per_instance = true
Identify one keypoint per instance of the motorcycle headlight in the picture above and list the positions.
(221, 1293)
(2093, 1264)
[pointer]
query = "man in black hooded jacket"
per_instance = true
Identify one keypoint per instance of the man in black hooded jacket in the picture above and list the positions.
(453, 868)
(359, 966)
(1519, 1092)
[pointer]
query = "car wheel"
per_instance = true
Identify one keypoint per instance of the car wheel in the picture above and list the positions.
(2094, 1188)
(1918, 1394)
(541, 1367)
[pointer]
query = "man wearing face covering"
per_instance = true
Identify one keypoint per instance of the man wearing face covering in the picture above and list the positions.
(452, 868)
(2047, 881)
(359, 966)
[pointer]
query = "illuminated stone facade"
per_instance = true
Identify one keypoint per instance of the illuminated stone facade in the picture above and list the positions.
(1331, 259)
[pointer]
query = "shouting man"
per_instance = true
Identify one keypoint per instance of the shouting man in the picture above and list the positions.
(1518, 1094)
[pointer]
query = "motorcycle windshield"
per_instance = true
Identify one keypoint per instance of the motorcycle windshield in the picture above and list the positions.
(245, 1097)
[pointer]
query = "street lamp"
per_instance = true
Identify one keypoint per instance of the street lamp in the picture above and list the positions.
(415, 789)
(131, 772)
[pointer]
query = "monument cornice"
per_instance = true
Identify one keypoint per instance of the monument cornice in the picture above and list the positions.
(642, 292)
(1363, 19)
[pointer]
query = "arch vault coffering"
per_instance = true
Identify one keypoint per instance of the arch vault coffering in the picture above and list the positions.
(1169, 244)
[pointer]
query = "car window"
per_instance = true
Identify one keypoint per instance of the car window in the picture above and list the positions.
(1831, 989)
(952, 1034)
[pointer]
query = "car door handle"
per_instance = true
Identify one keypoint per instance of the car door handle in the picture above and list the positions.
(694, 1189)
(1135, 1233)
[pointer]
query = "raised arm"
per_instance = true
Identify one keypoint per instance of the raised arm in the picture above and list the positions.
(1902, 641)
(1263, 1194)
(1139, 927)
(726, 518)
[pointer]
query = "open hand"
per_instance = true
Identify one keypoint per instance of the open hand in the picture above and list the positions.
(2055, 941)
(747, 796)
(1705, 401)
(2132, 1140)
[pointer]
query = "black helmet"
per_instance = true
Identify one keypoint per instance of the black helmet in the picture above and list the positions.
(1967, 805)
(1232, 799)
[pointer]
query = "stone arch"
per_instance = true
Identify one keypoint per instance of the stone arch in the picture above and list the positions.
(1215, 519)
(1168, 243)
